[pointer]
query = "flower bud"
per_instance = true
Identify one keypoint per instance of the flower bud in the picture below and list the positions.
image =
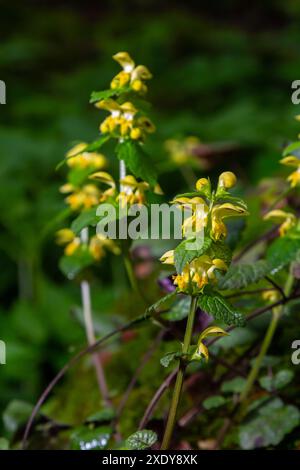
(201, 183)
(227, 180)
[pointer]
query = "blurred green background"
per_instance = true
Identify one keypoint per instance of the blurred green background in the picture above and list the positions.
(222, 72)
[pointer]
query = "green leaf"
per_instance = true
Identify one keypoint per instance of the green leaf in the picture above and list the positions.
(85, 219)
(282, 252)
(141, 440)
(241, 275)
(163, 300)
(214, 304)
(183, 255)
(16, 415)
(137, 161)
(97, 144)
(179, 310)
(220, 250)
(235, 385)
(214, 402)
(72, 265)
(85, 438)
(278, 381)
(292, 149)
(269, 426)
(105, 94)
(169, 357)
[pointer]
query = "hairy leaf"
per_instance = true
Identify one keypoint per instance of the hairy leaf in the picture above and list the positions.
(241, 275)
(184, 255)
(214, 304)
(141, 440)
(282, 252)
(137, 161)
(85, 219)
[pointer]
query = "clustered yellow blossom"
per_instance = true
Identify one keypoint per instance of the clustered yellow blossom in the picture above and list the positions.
(78, 158)
(287, 220)
(89, 195)
(96, 246)
(131, 76)
(181, 151)
(197, 273)
(124, 120)
(204, 215)
(293, 178)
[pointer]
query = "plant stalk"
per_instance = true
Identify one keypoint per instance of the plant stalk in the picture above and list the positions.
(89, 329)
(179, 379)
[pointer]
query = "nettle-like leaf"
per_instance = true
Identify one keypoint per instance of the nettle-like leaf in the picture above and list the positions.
(235, 385)
(220, 250)
(292, 149)
(85, 219)
(72, 265)
(141, 440)
(241, 275)
(282, 252)
(278, 381)
(85, 438)
(137, 161)
(183, 254)
(216, 305)
(168, 358)
(269, 426)
(214, 401)
(97, 144)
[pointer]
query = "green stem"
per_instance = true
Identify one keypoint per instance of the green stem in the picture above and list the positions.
(276, 313)
(179, 379)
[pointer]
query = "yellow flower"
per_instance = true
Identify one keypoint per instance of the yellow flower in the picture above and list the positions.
(202, 183)
(82, 198)
(201, 349)
(76, 158)
(294, 178)
(98, 244)
(287, 220)
(66, 237)
(131, 75)
(197, 273)
(132, 191)
(271, 295)
(107, 179)
(220, 212)
(199, 210)
(227, 180)
(123, 122)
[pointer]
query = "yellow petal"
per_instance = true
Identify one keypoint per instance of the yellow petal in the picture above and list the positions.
(109, 105)
(168, 257)
(141, 73)
(227, 180)
(77, 149)
(212, 331)
(201, 183)
(63, 236)
(103, 177)
(278, 216)
(290, 161)
(124, 59)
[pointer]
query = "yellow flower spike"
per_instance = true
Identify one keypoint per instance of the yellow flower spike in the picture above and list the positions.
(201, 349)
(63, 236)
(220, 212)
(227, 180)
(124, 59)
(168, 257)
(202, 183)
(287, 220)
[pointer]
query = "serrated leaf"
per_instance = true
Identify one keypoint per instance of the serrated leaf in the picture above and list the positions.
(96, 145)
(141, 440)
(220, 250)
(85, 438)
(269, 426)
(213, 402)
(85, 219)
(105, 94)
(137, 161)
(214, 304)
(183, 255)
(282, 252)
(241, 275)
(278, 381)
